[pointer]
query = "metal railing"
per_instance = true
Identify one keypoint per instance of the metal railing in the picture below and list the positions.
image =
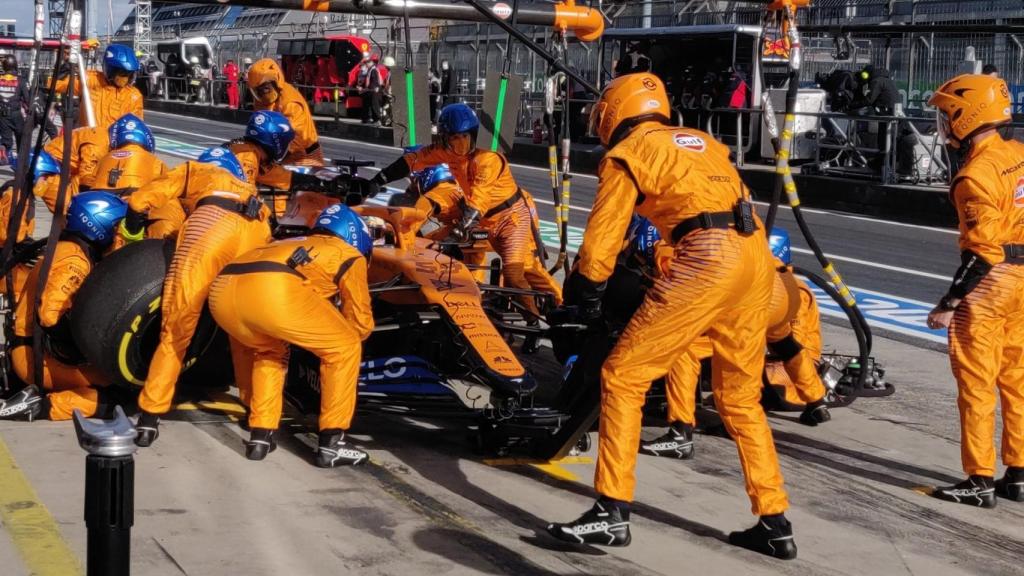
(904, 148)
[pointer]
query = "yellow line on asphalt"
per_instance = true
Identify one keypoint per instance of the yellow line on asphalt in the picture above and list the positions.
(552, 468)
(32, 529)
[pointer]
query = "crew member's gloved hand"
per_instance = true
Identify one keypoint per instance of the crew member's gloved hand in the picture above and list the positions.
(364, 187)
(380, 179)
(584, 293)
(133, 226)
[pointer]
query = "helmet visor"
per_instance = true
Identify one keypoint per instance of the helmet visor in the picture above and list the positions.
(596, 114)
(942, 128)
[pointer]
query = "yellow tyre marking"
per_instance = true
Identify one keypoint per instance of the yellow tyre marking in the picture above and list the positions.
(31, 527)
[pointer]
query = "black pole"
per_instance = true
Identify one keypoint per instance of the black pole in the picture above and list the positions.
(109, 514)
(109, 491)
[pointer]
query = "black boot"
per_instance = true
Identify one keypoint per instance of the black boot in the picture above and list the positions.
(332, 450)
(607, 524)
(260, 443)
(1011, 485)
(771, 536)
(815, 413)
(676, 443)
(26, 404)
(147, 429)
(975, 491)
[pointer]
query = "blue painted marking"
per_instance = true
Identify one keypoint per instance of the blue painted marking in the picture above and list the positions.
(885, 311)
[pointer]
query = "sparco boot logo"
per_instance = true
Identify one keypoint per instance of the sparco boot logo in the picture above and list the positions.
(689, 141)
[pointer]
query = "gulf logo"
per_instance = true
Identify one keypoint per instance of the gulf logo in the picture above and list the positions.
(1018, 194)
(690, 142)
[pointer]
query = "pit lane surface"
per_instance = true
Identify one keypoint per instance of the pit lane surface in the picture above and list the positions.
(427, 504)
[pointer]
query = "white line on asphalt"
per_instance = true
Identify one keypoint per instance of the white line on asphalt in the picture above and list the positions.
(877, 265)
(865, 218)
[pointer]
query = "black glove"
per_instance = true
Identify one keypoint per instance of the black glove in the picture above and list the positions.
(134, 222)
(380, 179)
(363, 187)
(584, 293)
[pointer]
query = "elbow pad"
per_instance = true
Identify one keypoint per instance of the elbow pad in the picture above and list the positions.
(973, 269)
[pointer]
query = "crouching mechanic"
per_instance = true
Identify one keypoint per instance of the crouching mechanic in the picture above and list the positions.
(794, 338)
(225, 220)
(264, 146)
(984, 307)
(283, 293)
(719, 286)
(88, 147)
(494, 201)
(130, 165)
(90, 230)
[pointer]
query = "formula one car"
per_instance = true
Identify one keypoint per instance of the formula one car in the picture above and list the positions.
(436, 351)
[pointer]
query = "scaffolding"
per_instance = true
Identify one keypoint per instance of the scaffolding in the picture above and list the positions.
(143, 40)
(55, 11)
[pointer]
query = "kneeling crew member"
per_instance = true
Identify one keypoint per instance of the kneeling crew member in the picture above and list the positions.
(91, 227)
(720, 285)
(984, 307)
(282, 294)
(794, 337)
(225, 219)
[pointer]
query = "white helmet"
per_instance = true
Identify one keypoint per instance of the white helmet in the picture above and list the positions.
(194, 60)
(389, 61)
(246, 60)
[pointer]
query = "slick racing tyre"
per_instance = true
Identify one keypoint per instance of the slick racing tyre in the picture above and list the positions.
(116, 318)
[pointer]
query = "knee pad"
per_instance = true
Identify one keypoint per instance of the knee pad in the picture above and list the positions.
(786, 349)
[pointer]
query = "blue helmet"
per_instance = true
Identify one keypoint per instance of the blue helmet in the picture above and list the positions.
(225, 159)
(429, 178)
(94, 216)
(778, 241)
(119, 57)
(130, 129)
(642, 235)
(457, 118)
(413, 148)
(342, 222)
(272, 131)
(45, 165)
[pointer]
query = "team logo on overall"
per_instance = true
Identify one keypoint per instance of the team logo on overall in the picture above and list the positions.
(689, 142)
(121, 154)
(1018, 194)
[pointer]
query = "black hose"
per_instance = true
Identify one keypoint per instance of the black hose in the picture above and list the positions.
(785, 181)
(860, 326)
(56, 228)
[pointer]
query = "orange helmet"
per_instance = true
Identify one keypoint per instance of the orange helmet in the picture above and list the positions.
(263, 71)
(969, 103)
(626, 101)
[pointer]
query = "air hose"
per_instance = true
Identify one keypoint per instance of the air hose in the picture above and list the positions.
(785, 10)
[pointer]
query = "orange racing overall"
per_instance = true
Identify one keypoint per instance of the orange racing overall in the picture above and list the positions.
(88, 146)
(70, 386)
(305, 148)
(225, 220)
(108, 101)
(265, 304)
(986, 336)
(719, 284)
(794, 333)
(129, 168)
